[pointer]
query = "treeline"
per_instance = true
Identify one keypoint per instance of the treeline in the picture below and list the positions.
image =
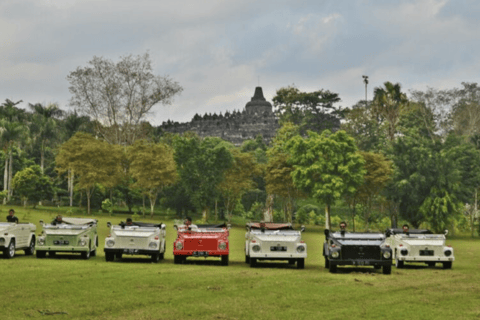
(394, 159)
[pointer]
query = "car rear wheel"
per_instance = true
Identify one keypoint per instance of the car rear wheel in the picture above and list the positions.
(447, 265)
(225, 260)
(253, 262)
(41, 254)
(301, 263)
(9, 252)
(332, 267)
(387, 269)
(109, 256)
(31, 248)
(399, 263)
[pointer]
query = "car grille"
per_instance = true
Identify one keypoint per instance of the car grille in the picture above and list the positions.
(360, 252)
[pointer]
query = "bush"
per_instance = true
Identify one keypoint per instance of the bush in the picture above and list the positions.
(107, 206)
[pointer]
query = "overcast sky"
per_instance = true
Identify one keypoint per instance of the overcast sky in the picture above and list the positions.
(219, 51)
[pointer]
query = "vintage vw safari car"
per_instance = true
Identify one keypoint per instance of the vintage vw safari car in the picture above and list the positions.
(17, 236)
(203, 240)
(274, 241)
(139, 238)
(419, 245)
(358, 249)
(73, 235)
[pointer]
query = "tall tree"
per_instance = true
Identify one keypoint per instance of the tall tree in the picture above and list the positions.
(326, 166)
(31, 184)
(153, 167)
(92, 160)
(119, 95)
(314, 111)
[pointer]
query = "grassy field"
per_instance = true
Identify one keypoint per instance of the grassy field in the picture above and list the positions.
(70, 288)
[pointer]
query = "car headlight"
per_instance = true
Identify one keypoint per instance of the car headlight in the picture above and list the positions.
(2, 241)
(82, 242)
(152, 245)
(256, 248)
(300, 249)
(41, 241)
(387, 254)
(222, 246)
(335, 254)
(448, 253)
(404, 252)
(179, 246)
(110, 243)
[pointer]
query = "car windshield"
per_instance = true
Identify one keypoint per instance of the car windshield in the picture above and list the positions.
(276, 232)
(423, 236)
(135, 228)
(358, 236)
(5, 223)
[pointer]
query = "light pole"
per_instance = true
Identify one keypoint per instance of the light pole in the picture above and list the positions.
(365, 80)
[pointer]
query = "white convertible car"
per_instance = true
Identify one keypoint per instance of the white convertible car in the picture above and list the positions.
(139, 238)
(17, 236)
(274, 241)
(419, 246)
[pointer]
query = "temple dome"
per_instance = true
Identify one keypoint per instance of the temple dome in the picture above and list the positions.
(258, 105)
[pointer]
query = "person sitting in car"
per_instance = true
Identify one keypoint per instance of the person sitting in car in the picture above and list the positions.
(58, 220)
(188, 224)
(11, 216)
(405, 229)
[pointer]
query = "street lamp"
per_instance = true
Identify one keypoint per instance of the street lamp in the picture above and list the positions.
(365, 80)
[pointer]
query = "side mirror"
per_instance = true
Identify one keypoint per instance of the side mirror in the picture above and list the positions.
(327, 233)
(446, 232)
(41, 222)
(109, 224)
(247, 228)
(163, 226)
(302, 229)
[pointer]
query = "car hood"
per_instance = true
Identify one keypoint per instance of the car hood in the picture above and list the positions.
(63, 232)
(424, 242)
(135, 234)
(348, 242)
(277, 238)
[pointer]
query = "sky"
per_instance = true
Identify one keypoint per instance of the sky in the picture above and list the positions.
(219, 51)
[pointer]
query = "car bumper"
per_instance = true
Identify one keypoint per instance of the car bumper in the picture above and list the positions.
(61, 249)
(131, 251)
(277, 255)
(199, 253)
(424, 259)
(360, 262)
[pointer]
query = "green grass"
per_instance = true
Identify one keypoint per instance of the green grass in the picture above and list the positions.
(137, 289)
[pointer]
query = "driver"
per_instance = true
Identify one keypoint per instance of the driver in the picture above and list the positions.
(405, 228)
(58, 220)
(129, 222)
(11, 216)
(343, 226)
(188, 224)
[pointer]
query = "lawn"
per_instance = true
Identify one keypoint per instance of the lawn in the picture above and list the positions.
(70, 288)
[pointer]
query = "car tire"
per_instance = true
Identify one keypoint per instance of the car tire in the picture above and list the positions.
(247, 259)
(9, 251)
(162, 254)
(377, 267)
(155, 257)
(327, 263)
(41, 254)
(86, 254)
(332, 267)
(387, 269)
(118, 255)
(301, 263)
(31, 248)
(225, 260)
(93, 253)
(109, 256)
(447, 265)
(253, 262)
(177, 259)
(431, 264)
(291, 261)
(51, 253)
(399, 264)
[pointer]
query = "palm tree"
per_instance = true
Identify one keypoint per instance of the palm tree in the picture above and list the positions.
(388, 103)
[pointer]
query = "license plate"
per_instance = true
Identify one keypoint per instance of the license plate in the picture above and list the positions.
(361, 263)
(200, 253)
(130, 251)
(60, 242)
(426, 252)
(278, 248)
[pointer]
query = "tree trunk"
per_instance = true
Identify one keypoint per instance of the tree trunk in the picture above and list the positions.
(205, 214)
(268, 213)
(328, 223)
(216, 213)
(153, 198)
(143, 199)
(473, 215)
(88, 201)
(70, 185)
(5, 180)
(10, 176)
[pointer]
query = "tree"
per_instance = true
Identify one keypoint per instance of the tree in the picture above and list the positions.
(388, 103)
(92, 160)
(153, 167)
(119, 95)
(31, 184)
(278, 173)
(238, 179)
(201, 165)
(326, 166)
(314, 111)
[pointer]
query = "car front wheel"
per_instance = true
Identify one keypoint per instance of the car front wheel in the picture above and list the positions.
(9, 252)
(399, 263)
(109, 256)
(332, 267)
(327, 263)
(447, 265)
(253, 262)
(301, 263)
(247, 259)
(387, 269)
(86, 254)
(225, 260)
(41, 254)
(155, 257)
